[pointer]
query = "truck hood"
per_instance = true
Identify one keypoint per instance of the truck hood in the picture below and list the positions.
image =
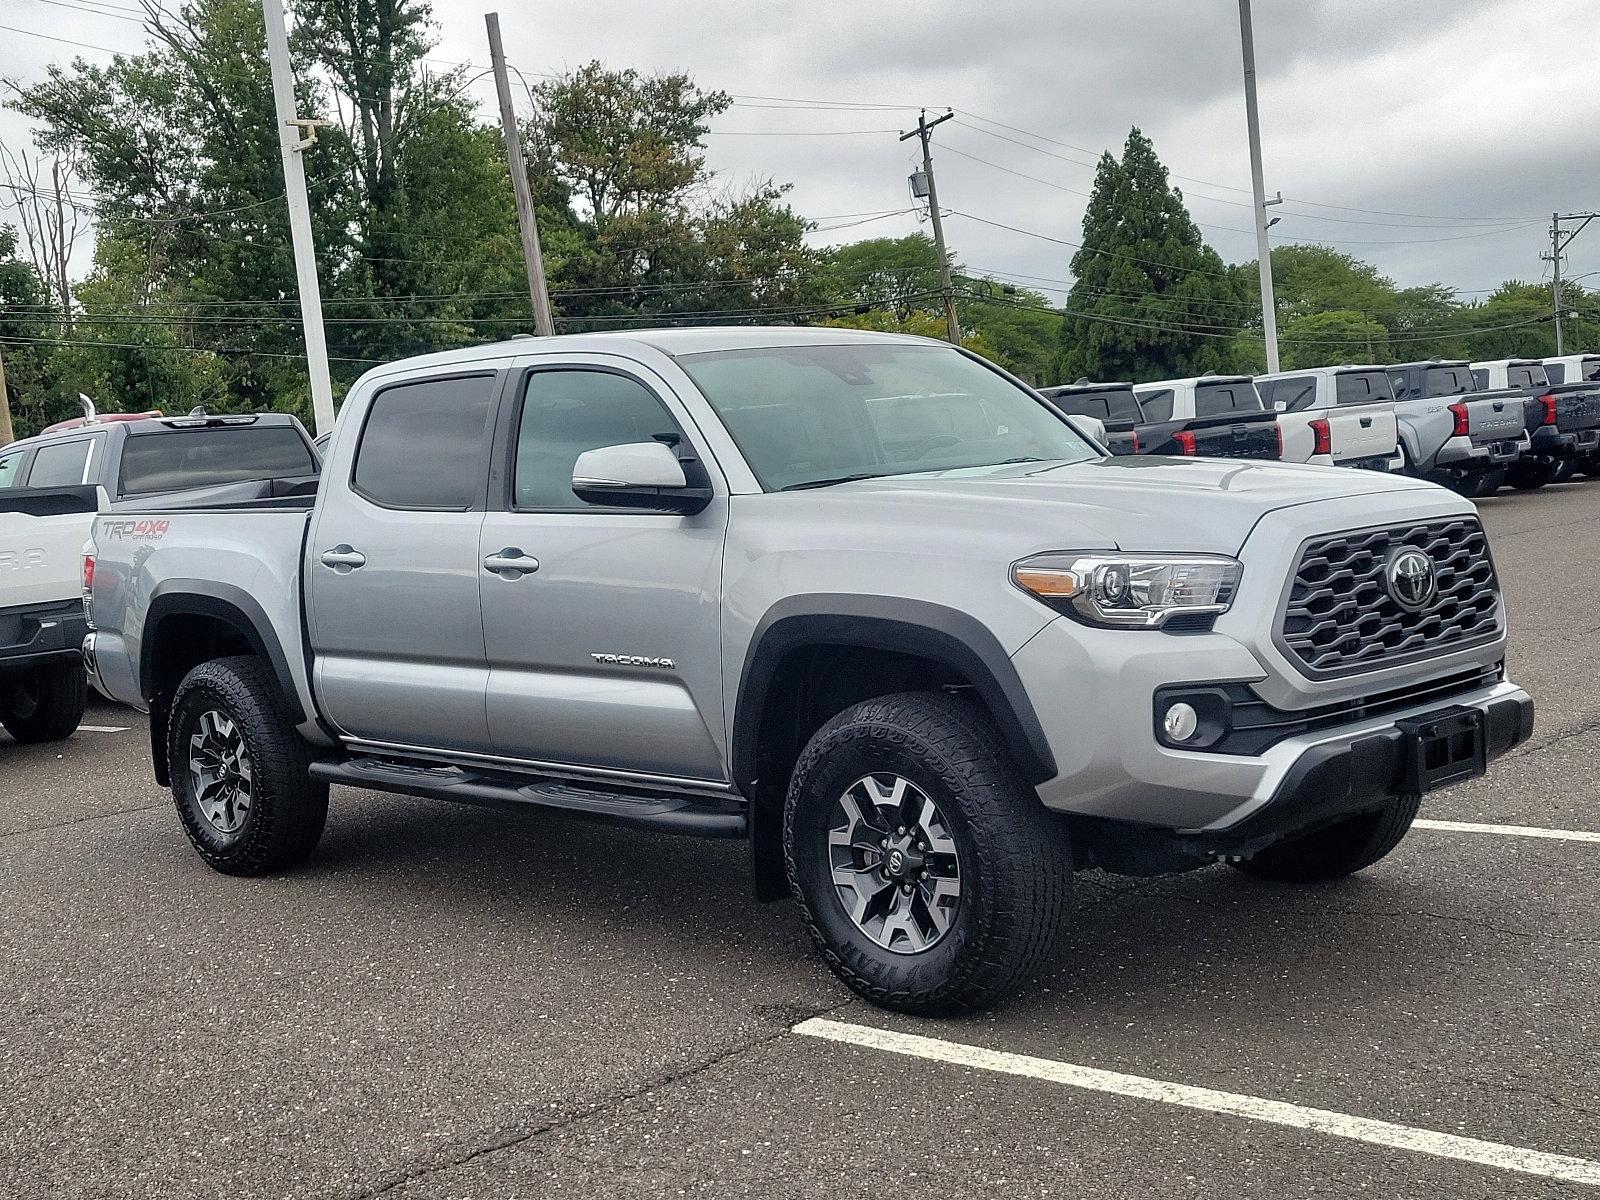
(1128, 503)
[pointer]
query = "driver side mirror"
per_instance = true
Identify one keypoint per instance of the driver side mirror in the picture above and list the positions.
(639, 475)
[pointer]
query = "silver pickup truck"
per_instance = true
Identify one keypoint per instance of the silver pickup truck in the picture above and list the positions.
(864, 600)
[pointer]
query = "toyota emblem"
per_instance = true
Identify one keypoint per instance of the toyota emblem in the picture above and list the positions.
(1412, 578)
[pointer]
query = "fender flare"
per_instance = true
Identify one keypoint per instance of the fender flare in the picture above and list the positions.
(227, 603)
(946, 635)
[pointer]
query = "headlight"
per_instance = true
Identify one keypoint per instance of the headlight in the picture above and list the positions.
(1131, 591)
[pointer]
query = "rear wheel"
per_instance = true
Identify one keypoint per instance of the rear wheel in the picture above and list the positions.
(1336, 850)
(241, 772)
(1565, 470)
(1488, 483)
(44, 703)
(926, 870)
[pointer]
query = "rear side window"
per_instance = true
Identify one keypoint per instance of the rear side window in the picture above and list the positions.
(1157, 405)
(178, 459)
(1295, 394)
(1530, 376)
(10, 469)
(1449, 381)
(426, 444)
(1366, 388)
(568, 412)
(60, 465)
(1219, 399)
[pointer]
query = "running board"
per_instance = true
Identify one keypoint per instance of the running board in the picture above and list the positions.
(696, 815)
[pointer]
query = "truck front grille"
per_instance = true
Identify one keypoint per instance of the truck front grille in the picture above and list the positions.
(1342, 617)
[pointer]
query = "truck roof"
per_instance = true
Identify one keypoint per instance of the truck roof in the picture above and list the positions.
(669, 341)
(1431, 362)
(142, 423)
(1072, 389)
(1191, 380)
(1340, 369)
(1510, 362)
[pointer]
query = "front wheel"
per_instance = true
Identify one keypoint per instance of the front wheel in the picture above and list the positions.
(1336, 850)
(930, 876)
(45, 703)
(241, 772)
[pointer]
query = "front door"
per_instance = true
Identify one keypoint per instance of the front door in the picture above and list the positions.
(605, 653)
(391, 569)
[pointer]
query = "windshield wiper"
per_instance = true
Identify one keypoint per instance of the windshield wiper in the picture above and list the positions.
(822, 483)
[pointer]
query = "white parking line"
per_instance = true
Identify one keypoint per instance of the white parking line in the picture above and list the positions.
(1532, 831)
(103, 728)
(1276, 1112)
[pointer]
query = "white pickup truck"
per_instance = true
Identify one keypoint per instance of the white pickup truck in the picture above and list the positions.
(1336, 416)
(51, 487)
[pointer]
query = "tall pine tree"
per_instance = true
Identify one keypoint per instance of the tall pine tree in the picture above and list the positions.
(1147, 290)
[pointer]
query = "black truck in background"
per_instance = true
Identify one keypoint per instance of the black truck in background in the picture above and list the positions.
(1112, 404)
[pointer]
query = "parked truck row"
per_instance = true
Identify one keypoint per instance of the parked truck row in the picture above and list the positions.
(864, 601)
(1474, 427)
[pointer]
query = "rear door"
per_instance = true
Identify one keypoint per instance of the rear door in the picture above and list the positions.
(1361, 422)
(391, 568)
(606, 654)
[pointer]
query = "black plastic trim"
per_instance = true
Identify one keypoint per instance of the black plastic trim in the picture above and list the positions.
(51, 501)
(945, 635)
(177, 598)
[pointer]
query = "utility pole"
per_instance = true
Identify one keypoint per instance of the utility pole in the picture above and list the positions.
(1558, 247)
(7, 434)
(946, 289)
(532, 254)
(1269, 303)
(295, 135)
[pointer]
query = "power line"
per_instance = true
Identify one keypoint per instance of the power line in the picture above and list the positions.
(1088, 249)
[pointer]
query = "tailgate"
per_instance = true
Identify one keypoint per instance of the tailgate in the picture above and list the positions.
(1253, 437)
(42, 531)
(1577, 406)
(1494, 420)
(1361, 431)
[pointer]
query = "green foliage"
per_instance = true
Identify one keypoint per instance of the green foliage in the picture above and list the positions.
(1144, 278)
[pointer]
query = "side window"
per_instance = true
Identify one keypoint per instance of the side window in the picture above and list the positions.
(11, 468)
(1295, 395)
(1480, 379)
(1556, 371)
(568, 411)
(1156, 405)
(426, 444)
(60, 465)
(1397, 380)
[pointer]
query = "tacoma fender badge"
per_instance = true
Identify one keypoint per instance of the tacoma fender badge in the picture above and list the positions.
(633, 660)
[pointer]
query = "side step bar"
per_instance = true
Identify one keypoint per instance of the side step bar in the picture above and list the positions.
(697, 815)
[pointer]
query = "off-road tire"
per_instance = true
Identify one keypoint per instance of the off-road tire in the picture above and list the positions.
(1565, 470)
(44, 703)
(1016, 864)
(1336, 850)
(1488, 483)
(288, 808)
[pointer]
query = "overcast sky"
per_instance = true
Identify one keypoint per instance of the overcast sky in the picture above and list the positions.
(1439, 134)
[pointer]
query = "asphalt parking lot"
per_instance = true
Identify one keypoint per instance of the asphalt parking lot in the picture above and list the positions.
(453, 1002)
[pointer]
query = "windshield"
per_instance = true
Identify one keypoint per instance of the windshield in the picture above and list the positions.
(804, 415)
(179, 459)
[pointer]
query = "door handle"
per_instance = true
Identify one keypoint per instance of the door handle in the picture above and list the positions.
(511, 563)
(343, 559)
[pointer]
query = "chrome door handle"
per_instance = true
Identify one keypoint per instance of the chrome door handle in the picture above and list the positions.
(343, 559)
(511, 563)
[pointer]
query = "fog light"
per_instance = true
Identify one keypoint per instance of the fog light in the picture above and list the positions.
(1180, 722)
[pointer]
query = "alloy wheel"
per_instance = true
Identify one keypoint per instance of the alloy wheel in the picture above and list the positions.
(219, 769)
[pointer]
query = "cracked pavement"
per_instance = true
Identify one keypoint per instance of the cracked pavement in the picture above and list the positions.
(450, 1002)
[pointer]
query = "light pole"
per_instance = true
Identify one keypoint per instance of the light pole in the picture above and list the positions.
(1269, 311)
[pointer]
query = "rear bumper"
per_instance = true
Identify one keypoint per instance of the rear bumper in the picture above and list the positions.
(1461, 454)
(1548, 441)
(42, 633)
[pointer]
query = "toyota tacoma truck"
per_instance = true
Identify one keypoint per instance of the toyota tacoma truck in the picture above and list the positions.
(1212, 416)
(1336, 416)
(51, 487)
(1451, 431)
(1562, 419)
(864, 600)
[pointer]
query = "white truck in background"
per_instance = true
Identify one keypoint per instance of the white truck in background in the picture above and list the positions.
(51, 488)
(1335, 416)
